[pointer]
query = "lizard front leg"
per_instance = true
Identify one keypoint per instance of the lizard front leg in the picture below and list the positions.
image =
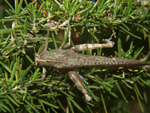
(82, 47)
(44, 68)
(75, 78)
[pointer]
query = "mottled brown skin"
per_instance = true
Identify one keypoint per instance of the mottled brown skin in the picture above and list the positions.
(69, 59)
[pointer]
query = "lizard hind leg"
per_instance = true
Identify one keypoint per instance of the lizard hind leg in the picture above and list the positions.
(83, 47)
(75, 78)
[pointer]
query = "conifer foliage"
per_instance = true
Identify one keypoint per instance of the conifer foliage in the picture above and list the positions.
(113, 90)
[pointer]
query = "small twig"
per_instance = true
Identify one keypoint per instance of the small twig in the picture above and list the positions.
(69, 38)
(54, 25)
(13, 27)
(35, 80)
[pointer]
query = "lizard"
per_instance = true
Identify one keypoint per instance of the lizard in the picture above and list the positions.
(69, 59)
